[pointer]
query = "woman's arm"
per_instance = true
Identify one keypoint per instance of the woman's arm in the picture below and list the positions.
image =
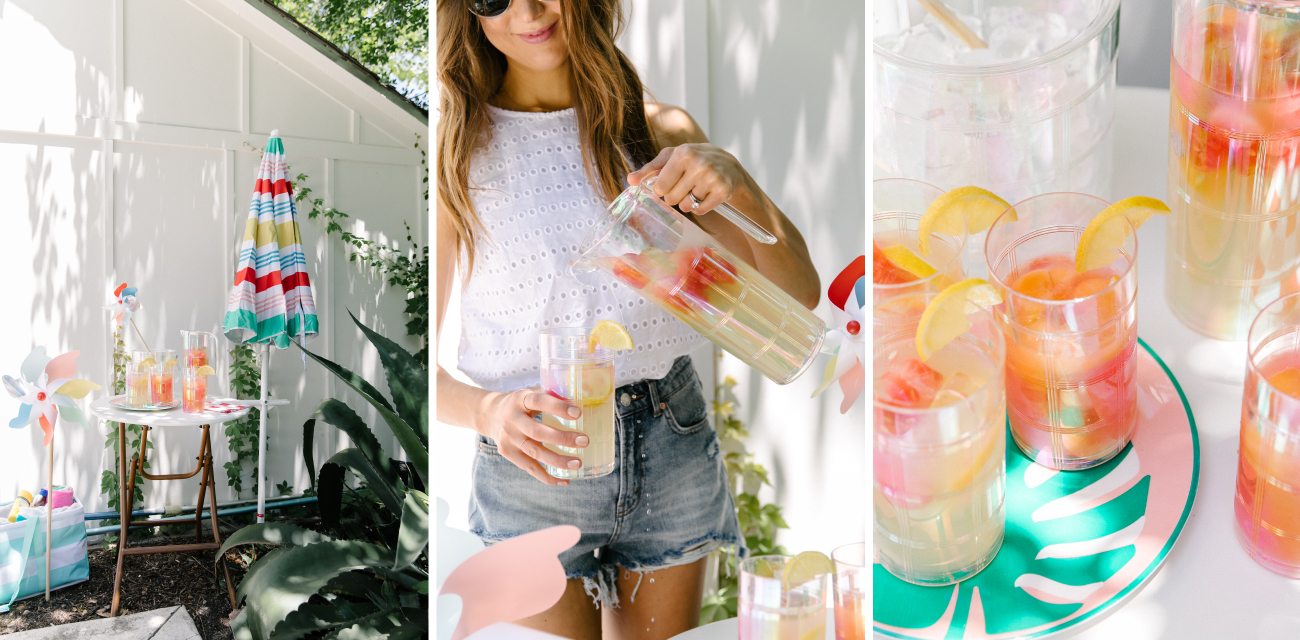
(507, 418)
(687, 164)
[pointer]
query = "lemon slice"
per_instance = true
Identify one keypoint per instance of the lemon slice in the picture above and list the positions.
(908, 261)
(609, 334)
(945, 317)
(964, 210)
(205, 370)
(1107, 231)
(170, 363)
(805, 567)
(147, 362)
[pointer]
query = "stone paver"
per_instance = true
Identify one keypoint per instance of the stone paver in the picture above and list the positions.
(170, 623)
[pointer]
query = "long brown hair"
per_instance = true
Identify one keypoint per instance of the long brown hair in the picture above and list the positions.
(607, 99)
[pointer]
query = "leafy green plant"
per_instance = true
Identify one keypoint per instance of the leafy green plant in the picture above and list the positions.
(758, 521)
(367, 572)
(391, 37)
(241, 434)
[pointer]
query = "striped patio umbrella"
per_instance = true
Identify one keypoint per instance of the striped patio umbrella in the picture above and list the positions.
(271, 300)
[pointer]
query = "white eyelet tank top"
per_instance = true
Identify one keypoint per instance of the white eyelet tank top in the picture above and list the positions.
(531, 192)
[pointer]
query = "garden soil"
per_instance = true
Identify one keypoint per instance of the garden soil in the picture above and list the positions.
(150, 582)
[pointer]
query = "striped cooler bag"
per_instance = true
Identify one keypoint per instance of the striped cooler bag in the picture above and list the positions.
(22, 552)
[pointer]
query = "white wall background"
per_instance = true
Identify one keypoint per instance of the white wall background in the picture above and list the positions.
(1145, 38)
(124, 133)
(780, 84)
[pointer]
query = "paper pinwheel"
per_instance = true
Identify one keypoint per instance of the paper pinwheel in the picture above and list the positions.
(848, 294)
(49, 385)
(125, 305)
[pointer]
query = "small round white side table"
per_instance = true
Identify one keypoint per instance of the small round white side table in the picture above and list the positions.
(170, 419)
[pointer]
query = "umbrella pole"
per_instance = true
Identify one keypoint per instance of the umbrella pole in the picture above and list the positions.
(261, 436)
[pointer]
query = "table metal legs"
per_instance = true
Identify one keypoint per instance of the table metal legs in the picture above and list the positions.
(207, 489)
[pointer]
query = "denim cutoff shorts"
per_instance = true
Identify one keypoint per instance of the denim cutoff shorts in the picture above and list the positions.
(665, 503)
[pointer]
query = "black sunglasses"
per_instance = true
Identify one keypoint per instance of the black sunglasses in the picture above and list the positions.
(488, 8)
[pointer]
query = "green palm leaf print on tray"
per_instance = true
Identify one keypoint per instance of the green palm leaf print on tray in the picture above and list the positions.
(1077, 543)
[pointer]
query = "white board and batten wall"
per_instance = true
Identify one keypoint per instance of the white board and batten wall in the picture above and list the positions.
(127, 130)
(781, 86)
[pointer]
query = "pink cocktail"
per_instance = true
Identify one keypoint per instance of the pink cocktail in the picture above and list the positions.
(1071, 337)
(850, 591)
(163, 393)
(1267, 504)
(194, 391)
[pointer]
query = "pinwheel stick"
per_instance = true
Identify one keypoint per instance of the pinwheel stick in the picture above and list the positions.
(49, 519)
(137, 332)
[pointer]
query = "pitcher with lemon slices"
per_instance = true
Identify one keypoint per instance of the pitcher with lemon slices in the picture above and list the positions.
(578, 366)
(939, 440)
(1067, 270)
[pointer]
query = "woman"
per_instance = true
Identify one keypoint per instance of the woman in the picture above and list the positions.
(542, 119)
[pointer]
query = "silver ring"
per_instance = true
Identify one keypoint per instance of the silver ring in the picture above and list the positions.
(694, 201)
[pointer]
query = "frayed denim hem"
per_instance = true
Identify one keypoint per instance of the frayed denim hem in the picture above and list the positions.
(602, 587)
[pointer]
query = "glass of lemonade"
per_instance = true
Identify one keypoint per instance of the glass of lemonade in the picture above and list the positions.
(139, 392)
(1233, 245)
(938, 446)
(585, 379)
(898, 204)
(769, 610)
(1267, 505)
(850, 591)
(1028, 114)
(1071, 337)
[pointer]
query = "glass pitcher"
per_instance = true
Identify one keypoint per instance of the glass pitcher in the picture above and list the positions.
(198, 348)
(1232, 245)
(646, 245)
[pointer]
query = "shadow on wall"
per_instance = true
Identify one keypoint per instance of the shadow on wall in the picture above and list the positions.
(786, 87)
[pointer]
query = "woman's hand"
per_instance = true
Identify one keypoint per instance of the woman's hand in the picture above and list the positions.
(508, 420)
(708, 172)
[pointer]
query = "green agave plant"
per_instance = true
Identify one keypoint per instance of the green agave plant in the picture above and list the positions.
(367, 576)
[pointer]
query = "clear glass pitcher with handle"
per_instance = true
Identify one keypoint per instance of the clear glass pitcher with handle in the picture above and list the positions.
(668, 260)
(199, 348)
(1232, 245)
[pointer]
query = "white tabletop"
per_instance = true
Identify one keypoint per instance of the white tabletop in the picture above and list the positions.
(169, 418)
(1208, 587)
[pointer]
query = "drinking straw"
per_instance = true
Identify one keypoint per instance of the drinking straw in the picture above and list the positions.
(944, 15)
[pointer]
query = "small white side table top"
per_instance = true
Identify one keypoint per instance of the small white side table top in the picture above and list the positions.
(169, 418)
